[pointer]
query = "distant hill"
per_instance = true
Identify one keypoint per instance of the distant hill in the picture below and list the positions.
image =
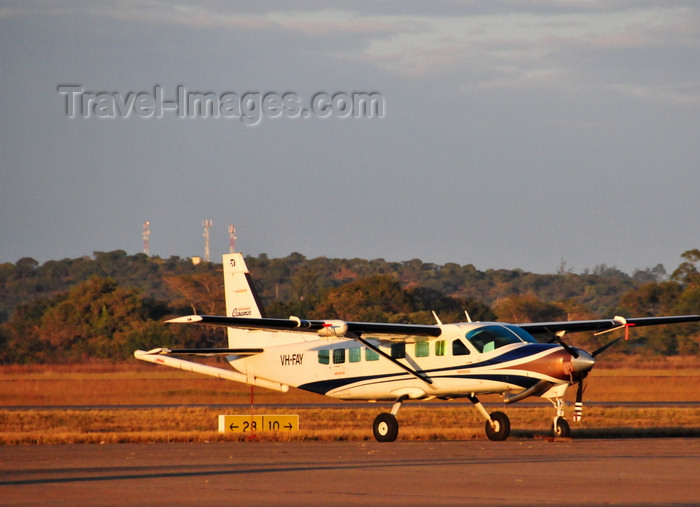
(35, 299)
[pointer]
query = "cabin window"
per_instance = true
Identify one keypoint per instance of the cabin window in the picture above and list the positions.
(440, 348)
(398, 350)
(371, 355)
(459, 348)
(324, 356)
(422, 349)
(355, 354)
(338, 356)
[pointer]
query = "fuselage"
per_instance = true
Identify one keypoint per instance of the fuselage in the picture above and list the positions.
(467, 359)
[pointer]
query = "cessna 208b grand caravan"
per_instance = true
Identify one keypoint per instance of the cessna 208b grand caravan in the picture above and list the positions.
(397, 362)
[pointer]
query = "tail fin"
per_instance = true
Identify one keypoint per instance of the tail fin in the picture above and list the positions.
(239, 291)
(241, 298)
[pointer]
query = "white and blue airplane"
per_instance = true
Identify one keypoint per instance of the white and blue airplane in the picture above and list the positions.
(397, 362)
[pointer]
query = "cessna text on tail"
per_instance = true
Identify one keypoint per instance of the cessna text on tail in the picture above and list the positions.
(397, 362)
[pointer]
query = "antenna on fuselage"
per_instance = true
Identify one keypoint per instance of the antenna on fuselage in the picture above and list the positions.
(469, 319)
(437, 318)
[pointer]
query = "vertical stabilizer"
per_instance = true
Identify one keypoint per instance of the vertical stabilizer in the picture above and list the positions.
(243, 301)
(241, 298)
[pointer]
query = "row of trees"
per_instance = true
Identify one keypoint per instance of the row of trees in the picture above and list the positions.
(111, 304)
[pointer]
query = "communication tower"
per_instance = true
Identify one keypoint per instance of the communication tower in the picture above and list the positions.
(231, 238)
(207, 225)
(146, 233)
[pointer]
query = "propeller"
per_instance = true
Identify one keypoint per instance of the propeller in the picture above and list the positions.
(581, 364)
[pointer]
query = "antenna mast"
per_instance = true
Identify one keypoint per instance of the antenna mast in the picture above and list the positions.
(144, 235)
(207, 225)
(231, 238)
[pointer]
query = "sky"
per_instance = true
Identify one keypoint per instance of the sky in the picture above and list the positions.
(534, 134)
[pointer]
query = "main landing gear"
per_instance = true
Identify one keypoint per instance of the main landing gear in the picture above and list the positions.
(497, 426)
(386, 427)
(497, 423)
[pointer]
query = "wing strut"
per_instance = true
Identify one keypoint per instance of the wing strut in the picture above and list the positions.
(413, 372)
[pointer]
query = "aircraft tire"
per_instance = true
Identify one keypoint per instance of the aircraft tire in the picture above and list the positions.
(386, 428)
(560, 428)
(502, 429)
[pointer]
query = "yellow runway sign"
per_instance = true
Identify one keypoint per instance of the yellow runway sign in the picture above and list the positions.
(258, 422)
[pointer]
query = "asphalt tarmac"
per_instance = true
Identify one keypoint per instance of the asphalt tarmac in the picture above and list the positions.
(629, 471)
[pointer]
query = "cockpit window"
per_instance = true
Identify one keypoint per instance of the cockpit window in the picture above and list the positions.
(522, 334)
(488, 338)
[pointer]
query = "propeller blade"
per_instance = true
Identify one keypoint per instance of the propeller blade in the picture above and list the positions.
(578, 407)
(605, 347)
(571, 350)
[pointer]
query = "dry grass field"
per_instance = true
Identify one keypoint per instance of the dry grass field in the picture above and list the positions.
(108, 385)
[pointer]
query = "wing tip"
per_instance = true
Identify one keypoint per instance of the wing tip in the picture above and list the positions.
(138, 354)
(187, 319)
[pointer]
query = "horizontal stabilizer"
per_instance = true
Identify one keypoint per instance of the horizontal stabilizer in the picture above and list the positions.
(157, 356)
(206, 352)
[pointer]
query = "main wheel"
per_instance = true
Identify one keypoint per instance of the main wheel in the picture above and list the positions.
(560, 428)
(498, 428)
(386, 428)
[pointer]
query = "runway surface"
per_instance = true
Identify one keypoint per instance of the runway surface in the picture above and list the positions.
(634, 471)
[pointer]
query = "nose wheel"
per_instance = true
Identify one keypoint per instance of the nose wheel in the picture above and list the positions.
(560, 428)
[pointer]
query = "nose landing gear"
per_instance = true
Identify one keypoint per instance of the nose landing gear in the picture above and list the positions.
(560, 427)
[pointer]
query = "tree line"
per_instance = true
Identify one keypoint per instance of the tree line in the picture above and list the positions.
(112, 303)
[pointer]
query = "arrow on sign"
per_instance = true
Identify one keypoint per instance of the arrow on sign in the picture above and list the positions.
(233, 427)
(288, 426)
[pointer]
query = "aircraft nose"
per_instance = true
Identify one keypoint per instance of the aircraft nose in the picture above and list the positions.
(583, 362)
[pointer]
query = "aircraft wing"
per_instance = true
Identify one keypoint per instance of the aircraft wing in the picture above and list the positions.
(403, 332)
(573, 326)
(340, 328)
(380, 330)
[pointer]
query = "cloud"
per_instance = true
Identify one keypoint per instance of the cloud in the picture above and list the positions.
(684, 94)
(503, 45)
(561, 50)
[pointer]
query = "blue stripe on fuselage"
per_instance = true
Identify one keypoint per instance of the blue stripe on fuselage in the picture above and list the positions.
(324, 386)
